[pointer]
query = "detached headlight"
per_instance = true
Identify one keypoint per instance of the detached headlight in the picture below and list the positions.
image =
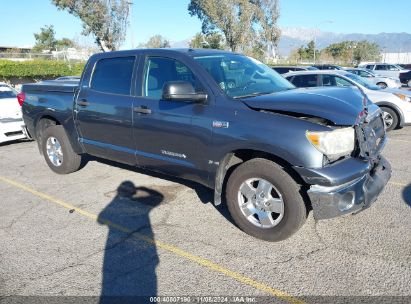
(403, 97)
(333, 144)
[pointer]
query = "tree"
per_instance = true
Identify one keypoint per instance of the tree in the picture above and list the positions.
(210, 41)
(232, 17)
(45, 40)
(307, 52)
(107, 20)
(65, 43)
(268, 13)
(366, 51)
(350, 51)
(157, 42)
(247, 26)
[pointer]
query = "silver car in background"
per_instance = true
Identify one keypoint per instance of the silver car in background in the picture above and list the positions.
(384, 69)
(382, 81)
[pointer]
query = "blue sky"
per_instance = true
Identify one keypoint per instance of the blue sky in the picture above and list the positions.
(170, 18)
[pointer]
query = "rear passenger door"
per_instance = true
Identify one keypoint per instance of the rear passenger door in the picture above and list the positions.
(103, 110)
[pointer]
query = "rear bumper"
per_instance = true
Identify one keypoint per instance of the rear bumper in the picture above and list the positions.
(11, 129)
(352, 196)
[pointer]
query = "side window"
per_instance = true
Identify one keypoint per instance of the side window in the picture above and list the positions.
(381, 67)
(113, 75)
(341, 82)
(329, 81)
(364, 74)
(370, 66)
(393, 68)
(305, 81)
(160, 70)
(335, 81)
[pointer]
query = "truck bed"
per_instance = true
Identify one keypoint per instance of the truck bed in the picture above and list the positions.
(65, 86)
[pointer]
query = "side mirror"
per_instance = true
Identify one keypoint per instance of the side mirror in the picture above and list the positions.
(182, 91)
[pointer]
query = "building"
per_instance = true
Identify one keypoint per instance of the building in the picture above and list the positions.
(401, 58)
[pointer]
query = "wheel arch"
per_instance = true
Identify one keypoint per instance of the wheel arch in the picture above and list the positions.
(46, 120)
(42, 123)
(395, 108)
(234, 158)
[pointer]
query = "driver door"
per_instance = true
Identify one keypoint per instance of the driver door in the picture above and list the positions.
(172, 137)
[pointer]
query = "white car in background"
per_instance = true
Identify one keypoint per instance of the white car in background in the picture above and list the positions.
(384, 69)
(395, 103)
(382, 81)
(11, 122)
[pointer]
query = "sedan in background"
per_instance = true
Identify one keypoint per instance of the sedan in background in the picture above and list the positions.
(384, 69)
(328, 67)
(381, 81)
(286, 69)
(395, 103)
(11, 122)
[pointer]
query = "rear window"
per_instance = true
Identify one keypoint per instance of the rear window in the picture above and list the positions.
(113, 75)
(282, 70)
(304, 81)
(7, 92)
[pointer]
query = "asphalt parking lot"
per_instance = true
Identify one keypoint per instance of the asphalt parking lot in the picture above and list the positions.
(110, 229)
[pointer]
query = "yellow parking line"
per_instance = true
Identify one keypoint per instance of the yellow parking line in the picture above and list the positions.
(398, 184)
(401, 140)
(165, 246)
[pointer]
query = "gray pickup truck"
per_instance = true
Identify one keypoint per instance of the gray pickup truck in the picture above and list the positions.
(271, 152)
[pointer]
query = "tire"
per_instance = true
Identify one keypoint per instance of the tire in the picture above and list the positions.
(390, 118)
(382, 85)
(56, 143)
(249, 175)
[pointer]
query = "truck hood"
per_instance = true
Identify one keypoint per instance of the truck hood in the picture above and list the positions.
(341, 106)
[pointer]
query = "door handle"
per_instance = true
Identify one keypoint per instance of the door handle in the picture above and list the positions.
(142, 110)
(83, 103)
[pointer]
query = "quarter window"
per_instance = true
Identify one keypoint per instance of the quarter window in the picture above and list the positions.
(113, 75)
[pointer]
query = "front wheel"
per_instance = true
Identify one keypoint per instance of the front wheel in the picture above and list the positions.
(390, 118)
(264, 201)
(382, 85)
(58, 152)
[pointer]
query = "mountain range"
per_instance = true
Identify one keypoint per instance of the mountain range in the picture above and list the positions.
(292, 38)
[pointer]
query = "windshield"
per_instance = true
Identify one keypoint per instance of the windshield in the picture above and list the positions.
(241, 76)
(362, 81)
(7, 92)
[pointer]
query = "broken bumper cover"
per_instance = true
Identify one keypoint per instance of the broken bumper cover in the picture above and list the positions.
(353, 196)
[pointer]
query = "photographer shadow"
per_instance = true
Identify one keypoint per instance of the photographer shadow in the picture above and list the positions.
(130, 260)
(406, 194)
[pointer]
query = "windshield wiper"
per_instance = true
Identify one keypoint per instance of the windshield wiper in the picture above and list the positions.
(252, 95)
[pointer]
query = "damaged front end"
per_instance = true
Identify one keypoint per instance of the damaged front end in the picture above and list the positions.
(352, 184)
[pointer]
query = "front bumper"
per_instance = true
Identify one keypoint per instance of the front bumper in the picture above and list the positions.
(353, 196)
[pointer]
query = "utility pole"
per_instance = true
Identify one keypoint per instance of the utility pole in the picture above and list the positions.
(130, 14)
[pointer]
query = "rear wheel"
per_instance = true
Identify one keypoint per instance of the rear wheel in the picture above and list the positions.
(382, 85)
(58, 152)
(264, 201)
(390, 118)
